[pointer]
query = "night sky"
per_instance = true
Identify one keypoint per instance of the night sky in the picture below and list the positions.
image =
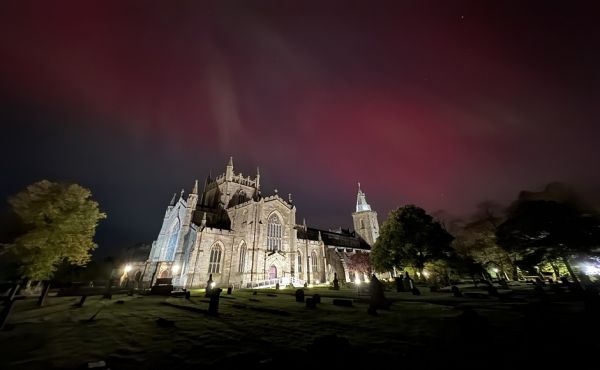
(441, 104)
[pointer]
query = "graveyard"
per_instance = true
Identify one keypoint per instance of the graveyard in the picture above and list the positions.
(272, 329)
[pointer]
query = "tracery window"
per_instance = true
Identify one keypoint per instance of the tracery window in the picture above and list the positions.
(172, 243)
(214, 265)
(299, 262)
(315, 262)
(274, 233)
(242, 258)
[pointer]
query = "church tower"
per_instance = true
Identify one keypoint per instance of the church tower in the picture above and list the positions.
(365, 220)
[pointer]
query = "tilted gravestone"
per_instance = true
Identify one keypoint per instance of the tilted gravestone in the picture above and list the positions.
(300, 295)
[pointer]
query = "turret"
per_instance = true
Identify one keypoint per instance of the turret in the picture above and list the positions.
(229, 170)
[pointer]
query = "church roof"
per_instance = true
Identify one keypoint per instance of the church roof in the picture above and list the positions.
(345, 239)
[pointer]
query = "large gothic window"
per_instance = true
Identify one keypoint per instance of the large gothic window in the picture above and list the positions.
(274, 233)
(315, 262)
(242, 257)
(214, 265)
(172, 243)
(299, 262)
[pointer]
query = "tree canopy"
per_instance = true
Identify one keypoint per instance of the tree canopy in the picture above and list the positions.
(410, 237)
(546, 230)
(60, 223)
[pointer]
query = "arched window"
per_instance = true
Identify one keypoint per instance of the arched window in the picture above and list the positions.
(242, 258)
(241, 197)
(362, 224)
(299, 262)
(315, 262)
(172, 243)
(214, 265)
(274, 233)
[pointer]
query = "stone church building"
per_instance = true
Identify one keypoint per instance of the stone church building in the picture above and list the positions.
(244, 239)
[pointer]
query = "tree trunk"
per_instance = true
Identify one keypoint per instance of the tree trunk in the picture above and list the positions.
(556, 271)
(44, 293)
(571, 272)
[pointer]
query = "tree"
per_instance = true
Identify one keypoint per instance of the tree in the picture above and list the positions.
(60, 222)
(477, 240)
(546, 230)
(359, 262)
(410, 237)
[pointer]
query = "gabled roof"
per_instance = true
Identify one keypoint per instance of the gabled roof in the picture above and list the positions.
(345, 239)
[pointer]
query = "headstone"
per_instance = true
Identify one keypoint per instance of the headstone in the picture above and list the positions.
(415, 291)
(377, 297)
(255, 293)
(229, 290)
(306, 285)
(82, 301)
(310, 303)
(208, 286)
(277, 286)
(407, 282)
(342, 302)
(299, 295)
(456, 291)
(399, 285)
(336, 283)
(213, 305)
(316, 298)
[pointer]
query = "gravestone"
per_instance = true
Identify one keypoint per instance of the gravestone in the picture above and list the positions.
(213, 305)
(407, 282)
(399, 285)
(377, 297)
(336, 283)
(208, 286)
(306, 285)
(310, 303)
(44, 294)
(415, 291)
(316, 298)
(277, 286)
(342, 302)
(299, 295)
(456, 291)
(82, 301)
(229, 290)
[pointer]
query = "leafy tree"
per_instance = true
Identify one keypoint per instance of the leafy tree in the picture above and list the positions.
(549, 230)
(60, 222)
(477, 240)
(410, 237)
(359, 262)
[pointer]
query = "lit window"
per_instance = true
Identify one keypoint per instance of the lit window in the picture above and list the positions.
(274, 233)
(172, 243)
(315, 262)
(214, 266)
(242, 257)
(299, 262)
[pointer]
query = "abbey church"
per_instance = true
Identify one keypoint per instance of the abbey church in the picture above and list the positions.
(229, 230)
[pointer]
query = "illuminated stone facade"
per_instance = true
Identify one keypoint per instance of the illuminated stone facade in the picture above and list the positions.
(245, 239)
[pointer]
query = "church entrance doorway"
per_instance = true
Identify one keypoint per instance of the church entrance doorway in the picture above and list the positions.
(273, 272)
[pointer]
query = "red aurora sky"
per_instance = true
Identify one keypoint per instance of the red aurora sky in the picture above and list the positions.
(441, 104)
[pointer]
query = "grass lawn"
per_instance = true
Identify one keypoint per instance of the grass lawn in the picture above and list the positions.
(261, 331)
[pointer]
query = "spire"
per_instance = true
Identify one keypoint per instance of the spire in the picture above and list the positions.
(182, 191)
(361, 201)
(230, 163)
(290, 198)
(319, 237)
(195, 189)
(173, 200)
(304, 223)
